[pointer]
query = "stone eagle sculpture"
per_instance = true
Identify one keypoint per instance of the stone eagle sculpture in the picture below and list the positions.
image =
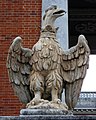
(40, 74)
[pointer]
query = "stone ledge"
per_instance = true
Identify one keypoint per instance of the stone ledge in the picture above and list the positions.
(48, 117)
(31, 112)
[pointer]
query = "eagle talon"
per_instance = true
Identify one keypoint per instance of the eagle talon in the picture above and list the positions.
(58, 101)
(33, 102)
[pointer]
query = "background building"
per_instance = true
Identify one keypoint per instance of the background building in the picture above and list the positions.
(86, 104)
(17, 17)
(82, 20)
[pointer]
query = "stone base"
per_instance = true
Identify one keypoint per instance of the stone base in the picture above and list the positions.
(47, 114)
(31, 112)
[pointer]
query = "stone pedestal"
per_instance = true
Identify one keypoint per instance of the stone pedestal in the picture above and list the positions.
(43, 112)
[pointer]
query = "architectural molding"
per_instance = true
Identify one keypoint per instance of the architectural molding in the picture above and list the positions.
(86, 27)
(82, 20)
(82, 14)
(87, 100)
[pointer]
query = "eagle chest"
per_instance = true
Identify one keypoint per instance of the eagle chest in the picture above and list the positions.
(45, 55)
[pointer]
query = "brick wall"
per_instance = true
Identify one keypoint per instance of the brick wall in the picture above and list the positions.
(17, 17)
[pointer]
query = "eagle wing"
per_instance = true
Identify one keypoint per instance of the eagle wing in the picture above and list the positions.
(75, 63)
(19, 69)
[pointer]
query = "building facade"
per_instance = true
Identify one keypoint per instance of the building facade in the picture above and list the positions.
(86, 104)
(17, 18)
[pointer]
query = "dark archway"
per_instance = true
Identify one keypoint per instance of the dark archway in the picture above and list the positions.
(82, 20)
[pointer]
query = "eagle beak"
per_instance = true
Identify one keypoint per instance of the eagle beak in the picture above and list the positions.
(59, 12)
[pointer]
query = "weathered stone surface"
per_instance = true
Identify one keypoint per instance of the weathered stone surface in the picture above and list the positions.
(31, 112)
(38, 76)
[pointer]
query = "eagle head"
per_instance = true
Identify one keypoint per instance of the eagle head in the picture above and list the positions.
(53, 12)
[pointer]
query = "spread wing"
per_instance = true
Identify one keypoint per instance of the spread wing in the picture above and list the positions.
(19, 69)
(75, 62)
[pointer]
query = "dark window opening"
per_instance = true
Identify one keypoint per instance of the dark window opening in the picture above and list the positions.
(82, 20)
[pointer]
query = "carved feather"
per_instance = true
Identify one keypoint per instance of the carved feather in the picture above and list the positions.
(16, 78)
(66, 65)
(78, 73)
(86, 59)
(74, 66)
(83, 71)
(14, 64)
(19, 69)
(37, 67)
(46, 64)
(16, 44)
(66, 75)
(55, 56)
(81, 50)
(53, 66)
(34, 58)
(69, 57)
(40, 63)
(65, 56)
(76, 54)
(26, 80)
(80, 60)
(72, 76)
(45, 52)
(54, 79)
(10, 73)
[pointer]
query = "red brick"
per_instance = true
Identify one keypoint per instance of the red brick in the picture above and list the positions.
(17, 18)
